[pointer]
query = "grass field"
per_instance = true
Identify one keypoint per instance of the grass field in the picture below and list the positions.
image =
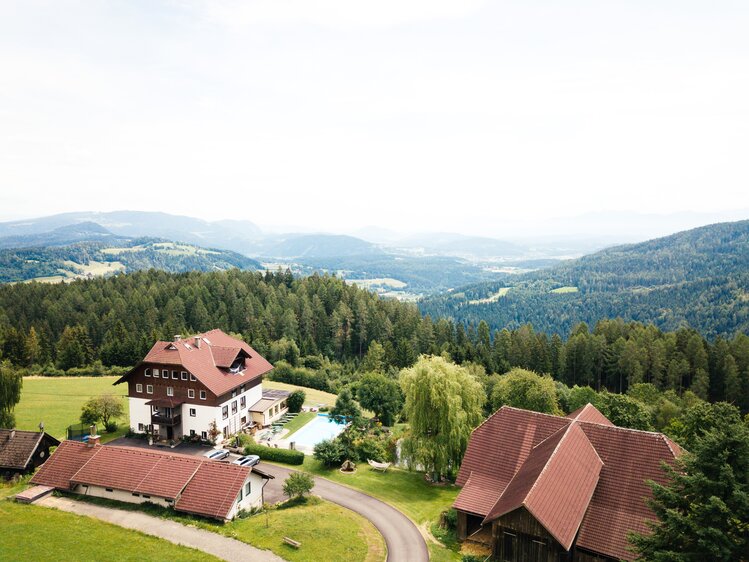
(314, 397)
(298, 422)
(327, 531)
(492, 298)
(564, 290)
(57, 401)
(42, 534)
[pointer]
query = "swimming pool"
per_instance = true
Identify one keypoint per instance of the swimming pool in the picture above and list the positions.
(318, 429)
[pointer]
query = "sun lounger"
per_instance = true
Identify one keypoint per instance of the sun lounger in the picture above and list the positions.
(383, 466)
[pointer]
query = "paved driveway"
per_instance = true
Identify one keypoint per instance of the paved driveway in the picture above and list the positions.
(403, 539)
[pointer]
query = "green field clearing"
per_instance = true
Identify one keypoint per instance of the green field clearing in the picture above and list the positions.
(43, 534)
(314, 397)
(493, 297)
(58, 400)
(378, 282)
(298, 422)
(563, 290)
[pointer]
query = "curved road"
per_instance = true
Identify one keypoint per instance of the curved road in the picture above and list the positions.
(403, 539)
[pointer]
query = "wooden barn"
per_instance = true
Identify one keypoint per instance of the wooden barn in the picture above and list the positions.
(541, 488)
(22, 451)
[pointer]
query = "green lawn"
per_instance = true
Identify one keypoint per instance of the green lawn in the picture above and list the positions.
(314, 397)
(564, 290)
(327, 531)
(298, 422)
(40, 534)
(57, 401)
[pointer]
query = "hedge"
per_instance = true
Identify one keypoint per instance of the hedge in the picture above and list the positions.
(270, 454)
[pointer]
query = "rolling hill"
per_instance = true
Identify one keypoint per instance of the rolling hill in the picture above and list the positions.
(697, 278)
(106, 255)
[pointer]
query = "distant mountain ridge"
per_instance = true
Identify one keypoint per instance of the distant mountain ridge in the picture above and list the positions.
(698, 278)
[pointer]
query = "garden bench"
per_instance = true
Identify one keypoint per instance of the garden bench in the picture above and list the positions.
(292, 542)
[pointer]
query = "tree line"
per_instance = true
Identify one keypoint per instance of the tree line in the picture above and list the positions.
(322, 332)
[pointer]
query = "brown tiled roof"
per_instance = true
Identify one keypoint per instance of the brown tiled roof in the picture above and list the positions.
(17, 447)
(209, 363)
(199, 485)
(589, 413)
(585, 475)
(213, 489)
(67, 459)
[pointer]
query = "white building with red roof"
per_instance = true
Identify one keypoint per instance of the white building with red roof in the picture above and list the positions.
(135, 475)
(183, 387)
(537, 487)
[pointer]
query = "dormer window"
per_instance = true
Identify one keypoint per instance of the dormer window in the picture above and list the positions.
(237, 365)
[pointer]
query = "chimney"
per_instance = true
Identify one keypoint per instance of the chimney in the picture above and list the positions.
(198, 340)
(12, 434)
(93, 438)
(177, 337)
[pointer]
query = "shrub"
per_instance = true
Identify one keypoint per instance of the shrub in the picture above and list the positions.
(450, 518)
(297, 485)
(370, 448)
(279, 455)
(295, 401)
(110, 427)
(329, 452)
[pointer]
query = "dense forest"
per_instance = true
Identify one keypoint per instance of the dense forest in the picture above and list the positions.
(322, 332)
(697, 278)
(22, 264)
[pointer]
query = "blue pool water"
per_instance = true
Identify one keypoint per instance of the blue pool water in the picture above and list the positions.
(318, 429)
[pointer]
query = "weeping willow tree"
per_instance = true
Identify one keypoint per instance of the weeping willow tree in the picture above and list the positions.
(10, 394)
(443, 405)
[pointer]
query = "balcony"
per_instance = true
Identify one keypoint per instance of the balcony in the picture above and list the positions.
(165, 419)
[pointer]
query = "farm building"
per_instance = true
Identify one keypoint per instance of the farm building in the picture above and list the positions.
(22, 451)
(188, 484)
(544, 488)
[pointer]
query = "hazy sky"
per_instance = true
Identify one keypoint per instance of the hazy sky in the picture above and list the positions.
(428, 114)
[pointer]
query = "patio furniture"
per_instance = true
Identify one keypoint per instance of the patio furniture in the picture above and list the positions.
(382, 466)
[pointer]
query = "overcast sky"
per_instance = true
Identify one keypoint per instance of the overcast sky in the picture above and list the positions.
(409, 114)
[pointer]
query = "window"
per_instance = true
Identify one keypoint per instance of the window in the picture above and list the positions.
(184, 375)
(191, 393)
(192, 433)
(204, 434)
(247, 489)
(109, 489)
(202, 394)
(141, 427)
(241, 389)
(175, 375)
(138, 388)
(149, 389)
(147, 497)
(508, 546)
(165, 373)
(147, 372)
(243, 402)
(239, 497)
(234, 407)
(233, 393)
(192, 377)
(136, 494)
(225, 412)
(193, 413)
(170, 391)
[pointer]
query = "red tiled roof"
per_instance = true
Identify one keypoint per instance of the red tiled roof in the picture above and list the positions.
(213, 489)
(209, 363)
(589, 413)
(17, 447)
(199, 485)
(584, 475)
(67, 459)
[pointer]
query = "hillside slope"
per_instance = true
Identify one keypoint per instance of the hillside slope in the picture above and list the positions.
(698, 277)
(94, 258)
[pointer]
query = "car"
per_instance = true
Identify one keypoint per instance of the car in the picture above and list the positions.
(217, 454)
(249, 460)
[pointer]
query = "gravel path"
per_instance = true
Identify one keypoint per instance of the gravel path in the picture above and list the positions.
(206, 541)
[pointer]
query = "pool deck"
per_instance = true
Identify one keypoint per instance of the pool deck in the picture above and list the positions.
(281, 442)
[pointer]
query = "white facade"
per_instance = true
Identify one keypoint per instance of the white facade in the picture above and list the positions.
(255, 497)
(200, 423)
(119, 495)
